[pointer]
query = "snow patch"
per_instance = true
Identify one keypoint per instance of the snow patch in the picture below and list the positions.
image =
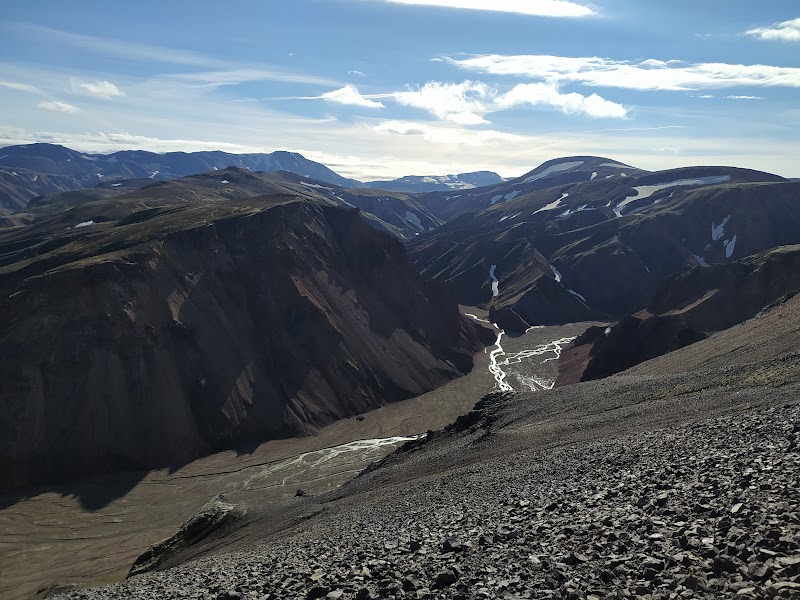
(645, 191)
(553, 205)
(717, 231)
(553, 169)
(414, 220)
(153, 174)
(729, 246)
(614, 166)
(511, 195)
(4, 156)
(495, 282)
(556, 273)
(224, 181)
(510, 217)
(594, 174)
(577, 295)
(85, 224)
(112, 160)
(116, 184)
(314, 185)
(496, 198)
(700, 260)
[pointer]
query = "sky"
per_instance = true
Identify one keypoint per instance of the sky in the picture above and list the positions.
(385, 88)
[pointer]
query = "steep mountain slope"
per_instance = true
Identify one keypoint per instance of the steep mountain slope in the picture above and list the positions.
(560, 171)
(170, 326)
(599, 249)
(684, 310)
(420, 184)
(75, 170)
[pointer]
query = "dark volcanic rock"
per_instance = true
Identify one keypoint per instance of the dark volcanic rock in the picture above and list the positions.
(204, 326)
(684, 310)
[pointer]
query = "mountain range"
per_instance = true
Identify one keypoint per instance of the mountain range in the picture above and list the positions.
(31, 170)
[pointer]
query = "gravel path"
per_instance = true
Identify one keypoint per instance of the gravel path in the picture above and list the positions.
(708, 508)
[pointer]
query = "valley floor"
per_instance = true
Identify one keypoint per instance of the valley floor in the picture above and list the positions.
(90, 533)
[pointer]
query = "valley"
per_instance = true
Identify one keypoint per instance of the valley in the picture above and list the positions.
(250, 363)
(89, 533)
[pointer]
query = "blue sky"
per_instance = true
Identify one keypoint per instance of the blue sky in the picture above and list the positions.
(385, 88)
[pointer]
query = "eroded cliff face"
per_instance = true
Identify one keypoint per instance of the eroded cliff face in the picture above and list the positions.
(253, 326)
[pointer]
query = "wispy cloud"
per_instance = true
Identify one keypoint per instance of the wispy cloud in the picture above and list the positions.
(540, 8)
(356, 72)
(648, 75)
(119, 48)
(105, 90)
(445, 134)
(745, 98)
(21, 87)
(349, 94)
(220, 72)
(787, 31)
(56, 106)
(236, 76)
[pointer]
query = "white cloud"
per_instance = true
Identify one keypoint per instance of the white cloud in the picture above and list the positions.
(541, 94)
(541, 8)
(56, 106)
(105, 90)
(788, 31)
(645, 75)
(356, 72)
(745, 98)
(349, 94)
(460, 103)
(21, 87)
(467, 102)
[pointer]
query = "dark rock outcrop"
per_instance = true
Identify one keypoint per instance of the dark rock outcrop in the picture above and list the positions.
(147, 342)
(684, 310)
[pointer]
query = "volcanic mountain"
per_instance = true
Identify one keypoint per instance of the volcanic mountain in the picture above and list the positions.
(31, 170)
(599, 248)
(146, 329)
(398, 214)
(686, 308)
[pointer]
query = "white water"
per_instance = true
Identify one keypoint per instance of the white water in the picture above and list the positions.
(494, 368)
(495, 282)
(498, 359)
(293, 471)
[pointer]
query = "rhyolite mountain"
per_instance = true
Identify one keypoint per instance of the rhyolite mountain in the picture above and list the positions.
(433, 183)
(395, 213)
(684, 309)
(599, 248)
(149, 328)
